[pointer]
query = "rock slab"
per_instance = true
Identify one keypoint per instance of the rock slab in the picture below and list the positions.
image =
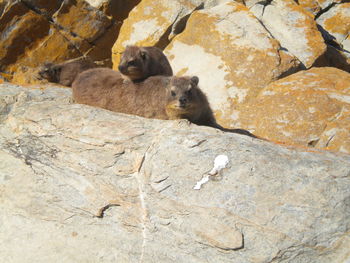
(81, 184)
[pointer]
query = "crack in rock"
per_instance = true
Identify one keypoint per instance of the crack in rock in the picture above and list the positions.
(101, 212)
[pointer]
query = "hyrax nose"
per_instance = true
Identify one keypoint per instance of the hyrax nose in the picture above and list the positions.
(183, 101)
(121, 68)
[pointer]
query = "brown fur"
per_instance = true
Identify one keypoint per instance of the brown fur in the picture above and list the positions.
(65, 73)
(158, 97)
(139, 63)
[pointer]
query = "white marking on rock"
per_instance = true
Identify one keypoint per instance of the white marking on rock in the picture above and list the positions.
(268, 93)
(342, 98)
(96, 3)
(220, 163)
(237, 93)
(312, 109)
(234, 115)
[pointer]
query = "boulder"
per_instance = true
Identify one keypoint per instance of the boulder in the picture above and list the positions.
(79, 18)
(336, 23)
(316, 6)
(22, 30)
(155, 23)
(44, 7)
(309, 108)
(91, 185)
(232, 54)
(293, 27)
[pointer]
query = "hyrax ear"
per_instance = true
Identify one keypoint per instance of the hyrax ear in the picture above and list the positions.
(48, 64)
(143, 54)
(194, 81)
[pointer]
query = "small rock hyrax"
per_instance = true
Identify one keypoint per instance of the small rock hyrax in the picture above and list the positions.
(139, 63)
(65, 73)
(160, 97)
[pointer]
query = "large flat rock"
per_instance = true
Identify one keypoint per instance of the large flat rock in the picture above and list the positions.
(81, 184)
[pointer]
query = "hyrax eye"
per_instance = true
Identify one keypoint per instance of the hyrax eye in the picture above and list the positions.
(173, 93)
(189, 92)
(132, 63)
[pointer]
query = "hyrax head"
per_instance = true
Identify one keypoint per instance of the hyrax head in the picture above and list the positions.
(50, 72)
(182, 94)
(134, 63)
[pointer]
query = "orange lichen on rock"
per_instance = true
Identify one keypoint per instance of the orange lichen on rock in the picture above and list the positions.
(339, 22)
(302, 108)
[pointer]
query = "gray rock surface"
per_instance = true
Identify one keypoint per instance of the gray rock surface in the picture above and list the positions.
(81, 184)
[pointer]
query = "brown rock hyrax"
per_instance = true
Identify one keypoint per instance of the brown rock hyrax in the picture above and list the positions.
(159, 97)
(139, 63)
(65, 73)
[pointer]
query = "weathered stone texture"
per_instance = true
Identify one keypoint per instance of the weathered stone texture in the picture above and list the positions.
(95, 186)
(80, 19)
(35, 31)
(22, 29)
(315, 6)
(293, 27)
(308, 108)
(336, 22)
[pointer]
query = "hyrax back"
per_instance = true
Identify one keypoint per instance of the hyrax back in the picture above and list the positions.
(157, 97)
(106, 88)
(139, 63)
(65, 73)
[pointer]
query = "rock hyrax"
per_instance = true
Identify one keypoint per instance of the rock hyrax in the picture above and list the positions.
(159, 97)
(65, 73)
(139, 63)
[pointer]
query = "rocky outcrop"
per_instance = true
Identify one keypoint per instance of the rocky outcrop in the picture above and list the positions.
(309, 108)
(95, 186)
(36, 31)
(233, 62)
(155, 23)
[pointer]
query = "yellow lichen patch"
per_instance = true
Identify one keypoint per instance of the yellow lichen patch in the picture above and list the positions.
(27, 76)
(309, 108)
(54, 48)
(78, 18)
(22, 30)
(339, 23)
